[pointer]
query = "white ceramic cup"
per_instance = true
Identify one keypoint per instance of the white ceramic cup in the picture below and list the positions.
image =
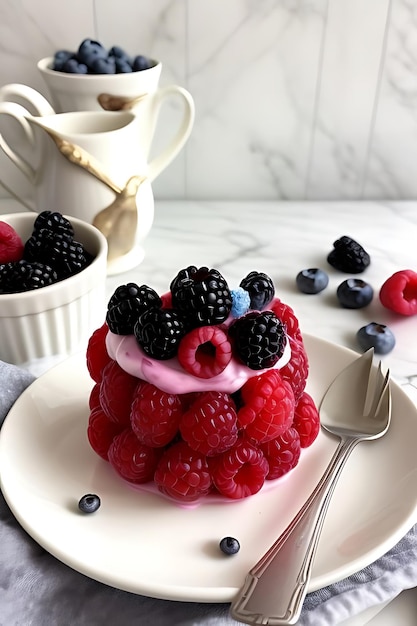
(110, 138)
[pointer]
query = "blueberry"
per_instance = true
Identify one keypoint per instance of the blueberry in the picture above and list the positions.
(103, 66)
(72, 66)
(89, 503)
(141, 63)
(122, 66)
(61, 57)
(354, 293)
(89, 50)
(118, 53)
(377, 336)
(312, 280)
(229, 545)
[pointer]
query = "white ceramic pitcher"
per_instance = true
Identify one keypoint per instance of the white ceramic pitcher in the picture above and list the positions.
(112, 141)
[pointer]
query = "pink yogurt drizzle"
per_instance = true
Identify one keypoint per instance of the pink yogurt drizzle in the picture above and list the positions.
(171, 377)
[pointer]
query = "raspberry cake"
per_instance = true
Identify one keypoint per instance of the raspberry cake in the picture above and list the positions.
(200, 391)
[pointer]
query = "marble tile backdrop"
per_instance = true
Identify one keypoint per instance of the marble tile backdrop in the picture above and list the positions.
(295, 99)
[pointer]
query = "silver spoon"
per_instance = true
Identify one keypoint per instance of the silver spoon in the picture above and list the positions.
(355, 408)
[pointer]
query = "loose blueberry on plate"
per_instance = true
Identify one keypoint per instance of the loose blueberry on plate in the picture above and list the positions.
(376, 336)
(229, 545)
(312, 280)
(354, 293)
(89, 503)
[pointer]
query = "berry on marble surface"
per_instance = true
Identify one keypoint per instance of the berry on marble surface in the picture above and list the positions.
(376, 336)
(312, 280)
(354, 293)
(399, 292)
(348, 256)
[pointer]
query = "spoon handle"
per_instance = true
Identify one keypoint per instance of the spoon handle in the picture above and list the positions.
(275, 588)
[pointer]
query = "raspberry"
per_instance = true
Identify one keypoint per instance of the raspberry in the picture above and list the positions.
(131, 459)
(11, 245)
(260, 289)
(22, 275)
(268, 406)
(296, 370)
(241, 471)
(306, 420)
(202, 295)
(287, 316)
(101, 431)
(94, 398)
(210, 424)
(282, 453)
(126, 305)
(97, 357)
(183, 473)
(258, 339)
(348, 256)
(116, 393)
(399, 292)
(155, 415)
(205, 351)
(159, 332)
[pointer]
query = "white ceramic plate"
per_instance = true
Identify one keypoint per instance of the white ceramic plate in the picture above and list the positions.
(142, 543)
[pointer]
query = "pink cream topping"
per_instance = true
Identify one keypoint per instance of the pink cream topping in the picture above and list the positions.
(171, 377)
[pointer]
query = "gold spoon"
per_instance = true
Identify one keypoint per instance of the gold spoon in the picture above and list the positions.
(118, 103)
(118, 222)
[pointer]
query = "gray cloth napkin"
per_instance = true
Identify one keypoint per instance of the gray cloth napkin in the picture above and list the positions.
(38, 590)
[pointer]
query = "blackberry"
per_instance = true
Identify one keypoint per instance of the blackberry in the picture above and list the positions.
(258, 339)
(348, 256)
(202, 295)
(59, 250)
(54, 222)
(22, 276)
(260, 289)
(159, 332)
(126, 305)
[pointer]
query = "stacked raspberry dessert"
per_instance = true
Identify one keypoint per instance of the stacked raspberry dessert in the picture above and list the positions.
(201, 390)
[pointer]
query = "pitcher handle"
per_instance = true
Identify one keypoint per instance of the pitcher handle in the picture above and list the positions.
(160, 162)
(19, 113)
(32, 97)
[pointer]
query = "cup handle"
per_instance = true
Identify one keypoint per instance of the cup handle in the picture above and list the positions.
(32, 98)
(19, 113)
(160, 162)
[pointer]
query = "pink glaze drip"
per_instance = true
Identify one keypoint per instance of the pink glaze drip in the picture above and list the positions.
(171, 377)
